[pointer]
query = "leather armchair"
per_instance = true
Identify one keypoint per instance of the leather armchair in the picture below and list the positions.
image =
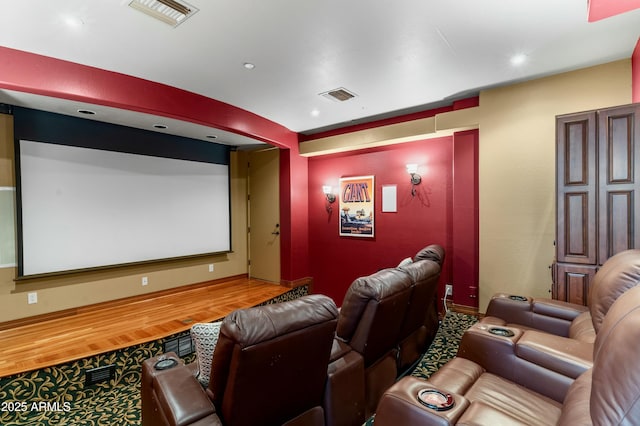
(618, 274)
(370, 321)
(538, 359)
(607, 393)
(421, 318)
(269, 367)
(386, 322)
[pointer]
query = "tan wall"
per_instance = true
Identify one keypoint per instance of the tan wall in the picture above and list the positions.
(517, 172)
(75, 290)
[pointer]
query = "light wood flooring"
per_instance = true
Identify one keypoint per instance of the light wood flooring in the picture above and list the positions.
(115, 325)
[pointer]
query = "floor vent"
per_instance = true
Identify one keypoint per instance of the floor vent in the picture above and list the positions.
(99, 375)
(182, 345)
(339, 95)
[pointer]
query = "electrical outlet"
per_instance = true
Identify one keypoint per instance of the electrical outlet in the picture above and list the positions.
(145, 280)
(211, 267)
(448, 290)
(32, 298)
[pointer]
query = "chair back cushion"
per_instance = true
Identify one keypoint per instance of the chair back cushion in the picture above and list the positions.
(422, 309)
(618, 274)
(615, 388)
(373, 311)
(270, 362)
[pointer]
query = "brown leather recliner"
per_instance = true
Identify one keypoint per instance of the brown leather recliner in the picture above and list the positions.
(543, 361)
(269, 368)
(370, 321)
(568, 319)
(386, 321)
(421, 319)
(606, 394)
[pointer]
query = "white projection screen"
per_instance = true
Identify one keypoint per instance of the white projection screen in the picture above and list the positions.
(86, 208)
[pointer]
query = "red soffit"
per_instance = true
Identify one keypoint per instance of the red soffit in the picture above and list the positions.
(601, 9)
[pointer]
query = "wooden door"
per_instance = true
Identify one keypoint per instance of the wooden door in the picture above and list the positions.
(264, 214)
(576, 181)
(619, 200)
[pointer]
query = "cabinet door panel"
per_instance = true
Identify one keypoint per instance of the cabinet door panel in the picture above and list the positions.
(576, 188)
(619, 157)
(573, 283)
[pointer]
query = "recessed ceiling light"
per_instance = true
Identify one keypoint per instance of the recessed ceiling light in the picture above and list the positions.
(73, 21)
(315, 113)
(518, 59)
(86, 112)
(160, 126)
(249, 65)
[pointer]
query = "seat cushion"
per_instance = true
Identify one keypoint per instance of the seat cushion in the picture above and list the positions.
(457, 376)
(514, 400)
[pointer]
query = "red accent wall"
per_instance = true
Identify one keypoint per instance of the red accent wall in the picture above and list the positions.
(42, 75)
(421, 220)
(465, 219)
(635, 73)
(294, 229)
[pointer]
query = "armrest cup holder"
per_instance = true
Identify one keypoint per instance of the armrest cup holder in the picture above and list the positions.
(501, 331)
(518, 298)
(401, 404)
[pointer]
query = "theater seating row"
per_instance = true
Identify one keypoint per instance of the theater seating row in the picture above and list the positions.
(304, 362)
(538, 362)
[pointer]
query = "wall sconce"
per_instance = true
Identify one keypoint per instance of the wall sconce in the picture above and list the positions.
(415, 177)
(331, 198)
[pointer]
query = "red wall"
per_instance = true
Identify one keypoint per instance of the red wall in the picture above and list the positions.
(334, 261)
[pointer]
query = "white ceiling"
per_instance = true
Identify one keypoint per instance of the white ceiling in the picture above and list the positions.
(398, 56)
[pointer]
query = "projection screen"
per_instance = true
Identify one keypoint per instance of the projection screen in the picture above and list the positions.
(86, 208)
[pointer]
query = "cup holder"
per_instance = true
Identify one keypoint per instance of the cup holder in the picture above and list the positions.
(503, 332)
(435, 400)
(165, 363)
(518, 298)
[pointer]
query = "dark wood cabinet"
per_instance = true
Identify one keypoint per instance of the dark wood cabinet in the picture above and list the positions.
(598, 205)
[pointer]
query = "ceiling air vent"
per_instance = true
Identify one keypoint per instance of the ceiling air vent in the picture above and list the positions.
(171, 12)
(339, 95)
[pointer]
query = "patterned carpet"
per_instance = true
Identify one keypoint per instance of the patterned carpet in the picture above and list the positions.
(58, 396)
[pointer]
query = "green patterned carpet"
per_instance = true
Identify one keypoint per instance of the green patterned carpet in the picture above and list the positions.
(57, 395)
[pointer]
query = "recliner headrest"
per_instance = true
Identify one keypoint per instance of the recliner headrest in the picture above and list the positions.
(251, 326)
(432, 252)
(618, 274)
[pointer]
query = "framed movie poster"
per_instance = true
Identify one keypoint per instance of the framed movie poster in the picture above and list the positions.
(356, 206)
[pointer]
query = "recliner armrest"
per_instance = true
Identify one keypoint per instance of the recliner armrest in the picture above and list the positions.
(552, 316)
(563, 355)
(400, 406)
(510, 308)
(557, 309)
(181, 397)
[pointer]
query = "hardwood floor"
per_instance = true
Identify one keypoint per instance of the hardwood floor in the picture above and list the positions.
(114, 325)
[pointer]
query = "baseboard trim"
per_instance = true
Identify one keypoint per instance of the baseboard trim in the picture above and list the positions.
(463, 309)
(308, 281)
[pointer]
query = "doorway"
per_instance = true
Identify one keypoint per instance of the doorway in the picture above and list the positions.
(264, 214)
